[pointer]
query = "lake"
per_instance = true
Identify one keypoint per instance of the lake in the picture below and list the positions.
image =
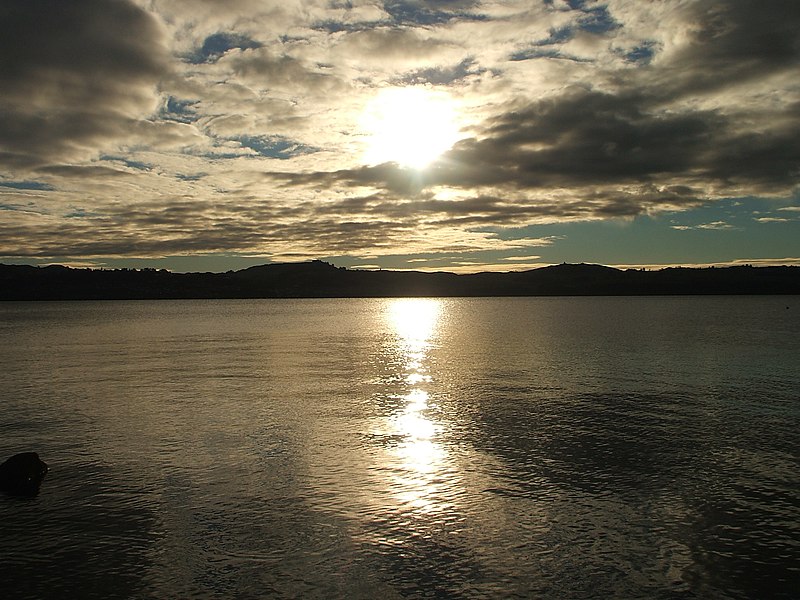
(625, 447)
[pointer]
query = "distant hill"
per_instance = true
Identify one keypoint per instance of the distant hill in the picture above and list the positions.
(317, 279)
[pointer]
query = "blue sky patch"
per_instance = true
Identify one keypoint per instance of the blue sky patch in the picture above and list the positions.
(709, 230)
(133, 164)
(182, 111)
(641, 54)
(80, 213)
(429, 13)
(598, 20)
(28, 185)
(274, 146)
(532, 53)
(442, 75)
(217, 44)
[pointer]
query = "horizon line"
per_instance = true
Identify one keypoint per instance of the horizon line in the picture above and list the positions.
(457, 270)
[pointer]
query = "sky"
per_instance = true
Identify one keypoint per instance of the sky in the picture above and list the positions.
(454, 135)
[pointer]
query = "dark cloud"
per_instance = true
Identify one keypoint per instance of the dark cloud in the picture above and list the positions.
(634, 135)
(73, 75)
(730, 43)
(584, 137)
(176, 226)
(390, 176)
(508, 211)
(92, 172)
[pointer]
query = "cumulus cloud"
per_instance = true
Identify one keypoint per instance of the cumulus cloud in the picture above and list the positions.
(721, 44)
(74, 76)
(629, 143)
(156, 127)
(585, 137)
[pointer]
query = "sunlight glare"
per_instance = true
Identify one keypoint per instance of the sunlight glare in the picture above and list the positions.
(414, 319)
(411, 126)
(421, 456)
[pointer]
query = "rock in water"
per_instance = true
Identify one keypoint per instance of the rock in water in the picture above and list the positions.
(22, 474)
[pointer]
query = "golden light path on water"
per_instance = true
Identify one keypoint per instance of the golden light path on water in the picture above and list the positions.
(421, 457)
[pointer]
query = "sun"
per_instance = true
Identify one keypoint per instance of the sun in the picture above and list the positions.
(411, 126)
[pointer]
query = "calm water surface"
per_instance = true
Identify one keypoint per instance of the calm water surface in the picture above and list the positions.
(453, 448)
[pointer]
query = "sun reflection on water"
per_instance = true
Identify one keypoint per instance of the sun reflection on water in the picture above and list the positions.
(414, 319)
(419, 458)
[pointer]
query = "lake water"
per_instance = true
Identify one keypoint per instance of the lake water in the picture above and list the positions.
(404, 448)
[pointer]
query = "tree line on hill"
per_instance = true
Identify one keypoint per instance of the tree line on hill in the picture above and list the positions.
(318, 279)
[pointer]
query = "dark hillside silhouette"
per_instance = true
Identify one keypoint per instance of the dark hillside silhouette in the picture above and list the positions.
(317, 279)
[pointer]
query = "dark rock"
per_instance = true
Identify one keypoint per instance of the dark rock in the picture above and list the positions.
(22, 474)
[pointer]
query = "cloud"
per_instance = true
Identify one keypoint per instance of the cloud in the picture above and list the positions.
(587, 137)
(728, 43)
(659, 129)
(520, 258)
(712, 225)
(74, 76)
(772, 219)
(157, 127)
(384, 49)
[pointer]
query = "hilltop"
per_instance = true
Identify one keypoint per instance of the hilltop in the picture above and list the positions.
(317, 279)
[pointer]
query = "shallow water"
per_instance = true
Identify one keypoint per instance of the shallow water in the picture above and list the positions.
(453, 448)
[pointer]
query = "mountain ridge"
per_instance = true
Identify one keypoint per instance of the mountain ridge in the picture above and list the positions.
(318, 279)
